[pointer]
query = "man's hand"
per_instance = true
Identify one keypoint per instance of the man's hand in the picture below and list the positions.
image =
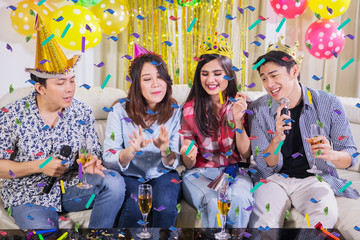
(327, 152)
(94, 166)
(280, 125)
(54, 168)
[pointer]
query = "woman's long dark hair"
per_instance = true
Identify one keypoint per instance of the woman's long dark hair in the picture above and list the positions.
(205, 118)
(137, 105)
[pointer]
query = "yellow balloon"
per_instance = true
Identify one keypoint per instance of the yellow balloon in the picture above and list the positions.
(116, 22)
(21, 19)
(77, 17)
(338, 7)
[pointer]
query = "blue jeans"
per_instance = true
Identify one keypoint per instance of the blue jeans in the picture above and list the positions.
(109, 191)
(165, 193)
(200, 196)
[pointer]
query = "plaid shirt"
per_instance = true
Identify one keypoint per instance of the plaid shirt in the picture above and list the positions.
(217, 150)
(322, 109)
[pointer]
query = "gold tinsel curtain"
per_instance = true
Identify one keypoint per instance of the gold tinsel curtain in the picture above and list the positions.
(158, 28)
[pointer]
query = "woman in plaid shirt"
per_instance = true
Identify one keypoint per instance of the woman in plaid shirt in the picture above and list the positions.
(213, 121)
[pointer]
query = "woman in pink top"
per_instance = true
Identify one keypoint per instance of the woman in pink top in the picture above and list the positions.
(213, 118)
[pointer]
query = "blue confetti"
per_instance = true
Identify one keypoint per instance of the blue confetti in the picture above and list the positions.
(174, 229)
(251, 170)
(357, 228)
(170, 1)
(236, 69)
(228, 16)
(76, 199)
(87, 87)
(59, 19)
(257, 43)
(230, 222)
(358, 105)
(126, 119)
(228, 78)
(196, 175)
(110, 173)
(142, 180)
(251, 85)
(161, 8)
(31, 81)
(123, 100)
(109, 11)
(260, 36)
(265, 155)
(11, 7)
(337, 111)
(329, 10)
(241, 10)
(164, 171)
(263, 229)
(30, 217)
(138, 153)
(355, 154)
(46, 127)
(108, 109)
(29, 204)
(167, 43)
(350, 36)
(334, 53)
(206, 155)
(82, 122)
(225, 35)
(127, 78)
(246, 54)
(248, 111)
(174, 105)
(63, 162)
(251, 8)
(155, 63)
(142, 223)
(151, 112)
(295, 155)
(128, 57)
(140, 17)
(113, 38)
(238, 130)
(228, 153)
(99, 65)
(231, 99)
(135, 35)
(288, 120)
(313, 200)
(316, 78)
(149, 130)
(283, 175)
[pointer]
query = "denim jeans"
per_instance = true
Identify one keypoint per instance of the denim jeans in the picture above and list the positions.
(164, 193)
(199, 195)
(109, 191)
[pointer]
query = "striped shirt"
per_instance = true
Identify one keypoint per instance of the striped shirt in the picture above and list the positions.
(217, 150)
(323, 108)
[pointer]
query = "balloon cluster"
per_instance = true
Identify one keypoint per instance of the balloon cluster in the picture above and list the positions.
(322, 38)
(71, 23)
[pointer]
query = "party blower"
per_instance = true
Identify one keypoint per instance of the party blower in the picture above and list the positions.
(319, 226)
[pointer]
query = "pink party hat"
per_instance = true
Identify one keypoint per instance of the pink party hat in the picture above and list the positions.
(139, 50)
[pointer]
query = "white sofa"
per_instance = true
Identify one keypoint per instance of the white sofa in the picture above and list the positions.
(349, 210)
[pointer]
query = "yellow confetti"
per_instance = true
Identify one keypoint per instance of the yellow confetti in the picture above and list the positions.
(221, 98)
(307, 220)
(309, 95)
(62, 186)
(63, 236)
(218, 219)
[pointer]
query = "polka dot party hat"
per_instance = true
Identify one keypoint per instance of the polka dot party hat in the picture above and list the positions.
(50, 61)
(290, 51)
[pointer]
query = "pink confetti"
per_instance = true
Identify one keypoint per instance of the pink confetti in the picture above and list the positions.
(111, 150)
(264, 180)
(342, 137)
(175, 181)
(286, 59)
(9, 151)
(262, 18)
(198, 59)
(173, 18)
(253, 137)
(269, 131)
(62, 218)
(182, 132)
(3, 233)
(4, 110)
(38, 154)
(133, 196)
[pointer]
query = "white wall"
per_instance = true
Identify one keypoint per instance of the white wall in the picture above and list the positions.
(13, 64)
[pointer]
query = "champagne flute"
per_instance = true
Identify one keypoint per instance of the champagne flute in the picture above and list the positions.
(145, 203)
(315, 131)
(84, 157)
(224, 200)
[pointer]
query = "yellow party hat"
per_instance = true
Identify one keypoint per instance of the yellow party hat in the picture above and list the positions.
(292, 52)
(216, 44)
(50, 61)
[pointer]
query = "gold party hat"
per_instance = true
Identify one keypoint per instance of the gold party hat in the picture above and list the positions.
(50, 61)
(290, 51)
(216, 44)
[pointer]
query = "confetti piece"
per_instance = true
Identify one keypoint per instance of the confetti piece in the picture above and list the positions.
(288, 121)
(316, 78)
(337, 111)
(270, 131)
(258, 64)
(263, 229)
(308, 45)
(141, 17)
(8, 47)
(30, 81)
(229, 17)
(90, 200)
(320, 124)
(253, 171)
(12, 7)
(108, 109)
(263, 19)
(328, 88)
(106, 81)
(318, 16)
(335, 54)
(358, 105)
(221, 98)
(111, 11)
(218, 219)
(295, 155)
(112, 137)
(329, 9)
(161, 8)
(198, 215)
(251, 85)
(27, 39)
(87, 87)
(257, 43)
(17, 121)
(11, 174)
(167, 43)
(287, 215)
(347, 64)
(80, 170)
(190, 147)
(43, 61)
(265, 155)
(246, 234)
(133, 196)
(62, 186)
(357, 228)
(41, 2)
(313, 200)
(280, 25)
(231, 124)
(173, 18)
(151, 112)
(249, 208)
(113, 38)
(198, 59)
(260, 36)
(267, 207)
(159, 209)
(254, 24)
(343, 24)
(257, 151)
(45, 162)
(142, 223)
(307, 219)
(350, 36)
(231, 99)
(318, 153)
(174, 105)
(175, 181)
(228, 153)
(345, 186)
(241, 10)
(178, 207)
(251, 8)
(87, 27)
(62, 237)
(238, 130)
(225, 35)
(123, 100)
(191, 25)
(65, 30)
(256, 187)
(247, 54)
(168, 151)
(235, 69)
(126, 119)
(77, 227)
(139, 153)
(41, 184)
(153, 62)
(206, 155)
(50, 222)
(326, 211)
(30, 217)
(342, 137)
(82, 122)
(309, 95)
(59, 19)
(127, 78)
(278, 147)
(27, 105)
(135, 35)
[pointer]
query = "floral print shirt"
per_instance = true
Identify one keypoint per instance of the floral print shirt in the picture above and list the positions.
(25, 137)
